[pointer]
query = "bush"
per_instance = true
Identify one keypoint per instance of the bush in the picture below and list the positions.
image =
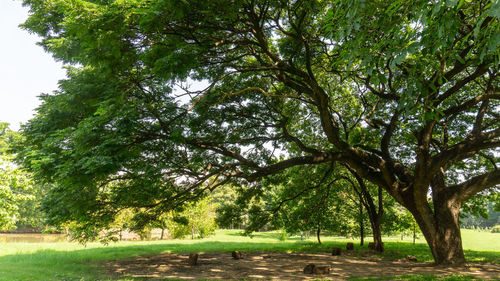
(283, 235)
(496, 229)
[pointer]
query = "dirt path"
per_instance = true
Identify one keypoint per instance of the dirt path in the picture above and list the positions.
(282, 266)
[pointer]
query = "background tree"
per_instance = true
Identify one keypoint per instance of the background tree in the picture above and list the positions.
(122, 222)
(306, 200)
(375, 211)
(14, 182)
(198, 220)
(483, 212)
(405, 94)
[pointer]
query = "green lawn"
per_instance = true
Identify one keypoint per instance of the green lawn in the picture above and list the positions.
(72, 261)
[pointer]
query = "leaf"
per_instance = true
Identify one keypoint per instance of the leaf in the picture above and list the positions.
(460, 4)
(460, 59)
(494, 9)
(494, 42)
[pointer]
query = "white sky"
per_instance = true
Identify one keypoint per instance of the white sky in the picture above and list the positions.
(26, 70)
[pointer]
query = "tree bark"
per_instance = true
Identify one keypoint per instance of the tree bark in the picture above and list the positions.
(377, 234)
(447, 241)
(361, 224)
(441, 229)
(414, 233)
(318, 233)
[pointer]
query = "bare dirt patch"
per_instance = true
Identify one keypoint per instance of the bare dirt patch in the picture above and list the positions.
(282, 266)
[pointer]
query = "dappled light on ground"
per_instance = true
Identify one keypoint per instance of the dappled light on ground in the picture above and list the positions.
(283, 266)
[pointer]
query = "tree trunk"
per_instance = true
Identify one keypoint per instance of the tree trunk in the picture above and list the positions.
(162, 232)
(361, 224)
(441, 230)
(414, 233)
(374, 215)
(377, 235)
(376, 221)
(318, 233)
(447, 243)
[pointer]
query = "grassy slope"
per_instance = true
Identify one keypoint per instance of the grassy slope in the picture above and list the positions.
(72, 261)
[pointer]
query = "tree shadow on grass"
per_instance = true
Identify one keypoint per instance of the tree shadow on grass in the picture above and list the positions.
(482, 256)
(87, 264)
(423, 277)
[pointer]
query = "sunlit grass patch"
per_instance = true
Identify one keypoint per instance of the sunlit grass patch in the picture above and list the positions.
(422, 277)
(73, 261)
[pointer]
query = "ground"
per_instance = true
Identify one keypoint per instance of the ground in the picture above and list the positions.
(284, 266)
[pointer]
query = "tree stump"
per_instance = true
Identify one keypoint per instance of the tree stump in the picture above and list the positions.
(336, 251)
(411, 258)
(350, 246)
(193, 259)
(236, 255)
(321, 270)
(309, 269)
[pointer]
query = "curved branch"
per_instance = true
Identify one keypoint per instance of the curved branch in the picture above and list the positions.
(302, 160)
(467, 189)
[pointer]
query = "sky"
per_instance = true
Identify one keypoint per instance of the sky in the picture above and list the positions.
(26, 70)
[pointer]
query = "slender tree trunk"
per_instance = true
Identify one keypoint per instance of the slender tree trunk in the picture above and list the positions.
(376, 221)
(414, 233)
(361, 224)
(377, 235)
(162, 232)
(374, 215)
(318, 232)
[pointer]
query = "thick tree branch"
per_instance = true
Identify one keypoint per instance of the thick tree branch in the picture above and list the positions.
(302, 160)
(467, 189)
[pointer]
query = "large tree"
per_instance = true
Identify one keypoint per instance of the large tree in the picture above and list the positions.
(174, 98)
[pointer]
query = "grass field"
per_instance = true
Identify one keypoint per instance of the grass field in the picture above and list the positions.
(73, 261)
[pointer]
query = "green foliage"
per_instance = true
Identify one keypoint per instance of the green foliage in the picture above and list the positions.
(283, 235)
(200, 219)
(169, 100)
(197, 219)
(483, 213)
(15, 183)
(8, 198)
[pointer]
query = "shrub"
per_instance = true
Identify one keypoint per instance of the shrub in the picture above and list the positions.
(283, 235)
(496, 229)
